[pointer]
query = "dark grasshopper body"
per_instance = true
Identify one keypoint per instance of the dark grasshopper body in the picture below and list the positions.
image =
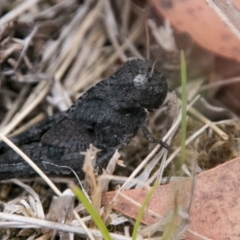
(107, 116)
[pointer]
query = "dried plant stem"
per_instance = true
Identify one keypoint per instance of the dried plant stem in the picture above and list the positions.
(17, 11)
(15, 106)
(27, 43)
(139, 168)
(19, 117)
(86, 57)
(70, 50)
(29, 124)
(137, 204)
(224, 18)
(111, 27)
(188, 141)
(101, 68)
(220, 83)
(57, 226)
(205, 120)
(44, 177)
(31, 163)
(216, 129)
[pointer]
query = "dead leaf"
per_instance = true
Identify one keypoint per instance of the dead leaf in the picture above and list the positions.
(215, 208)
(204, 25)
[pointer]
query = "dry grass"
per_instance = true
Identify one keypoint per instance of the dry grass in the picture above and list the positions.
(53, 51)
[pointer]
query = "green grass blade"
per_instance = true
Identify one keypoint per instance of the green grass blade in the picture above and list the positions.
(95, 216)
(184, 107)
(141, 212)
(170, 228)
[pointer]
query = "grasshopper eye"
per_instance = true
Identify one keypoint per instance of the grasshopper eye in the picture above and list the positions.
(140, 81)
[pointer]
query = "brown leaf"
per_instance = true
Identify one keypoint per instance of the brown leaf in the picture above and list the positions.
(215, 208)
(204, 24)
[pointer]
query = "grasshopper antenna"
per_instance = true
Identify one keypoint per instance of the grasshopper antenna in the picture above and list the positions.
(147, 36)
(154, 64)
